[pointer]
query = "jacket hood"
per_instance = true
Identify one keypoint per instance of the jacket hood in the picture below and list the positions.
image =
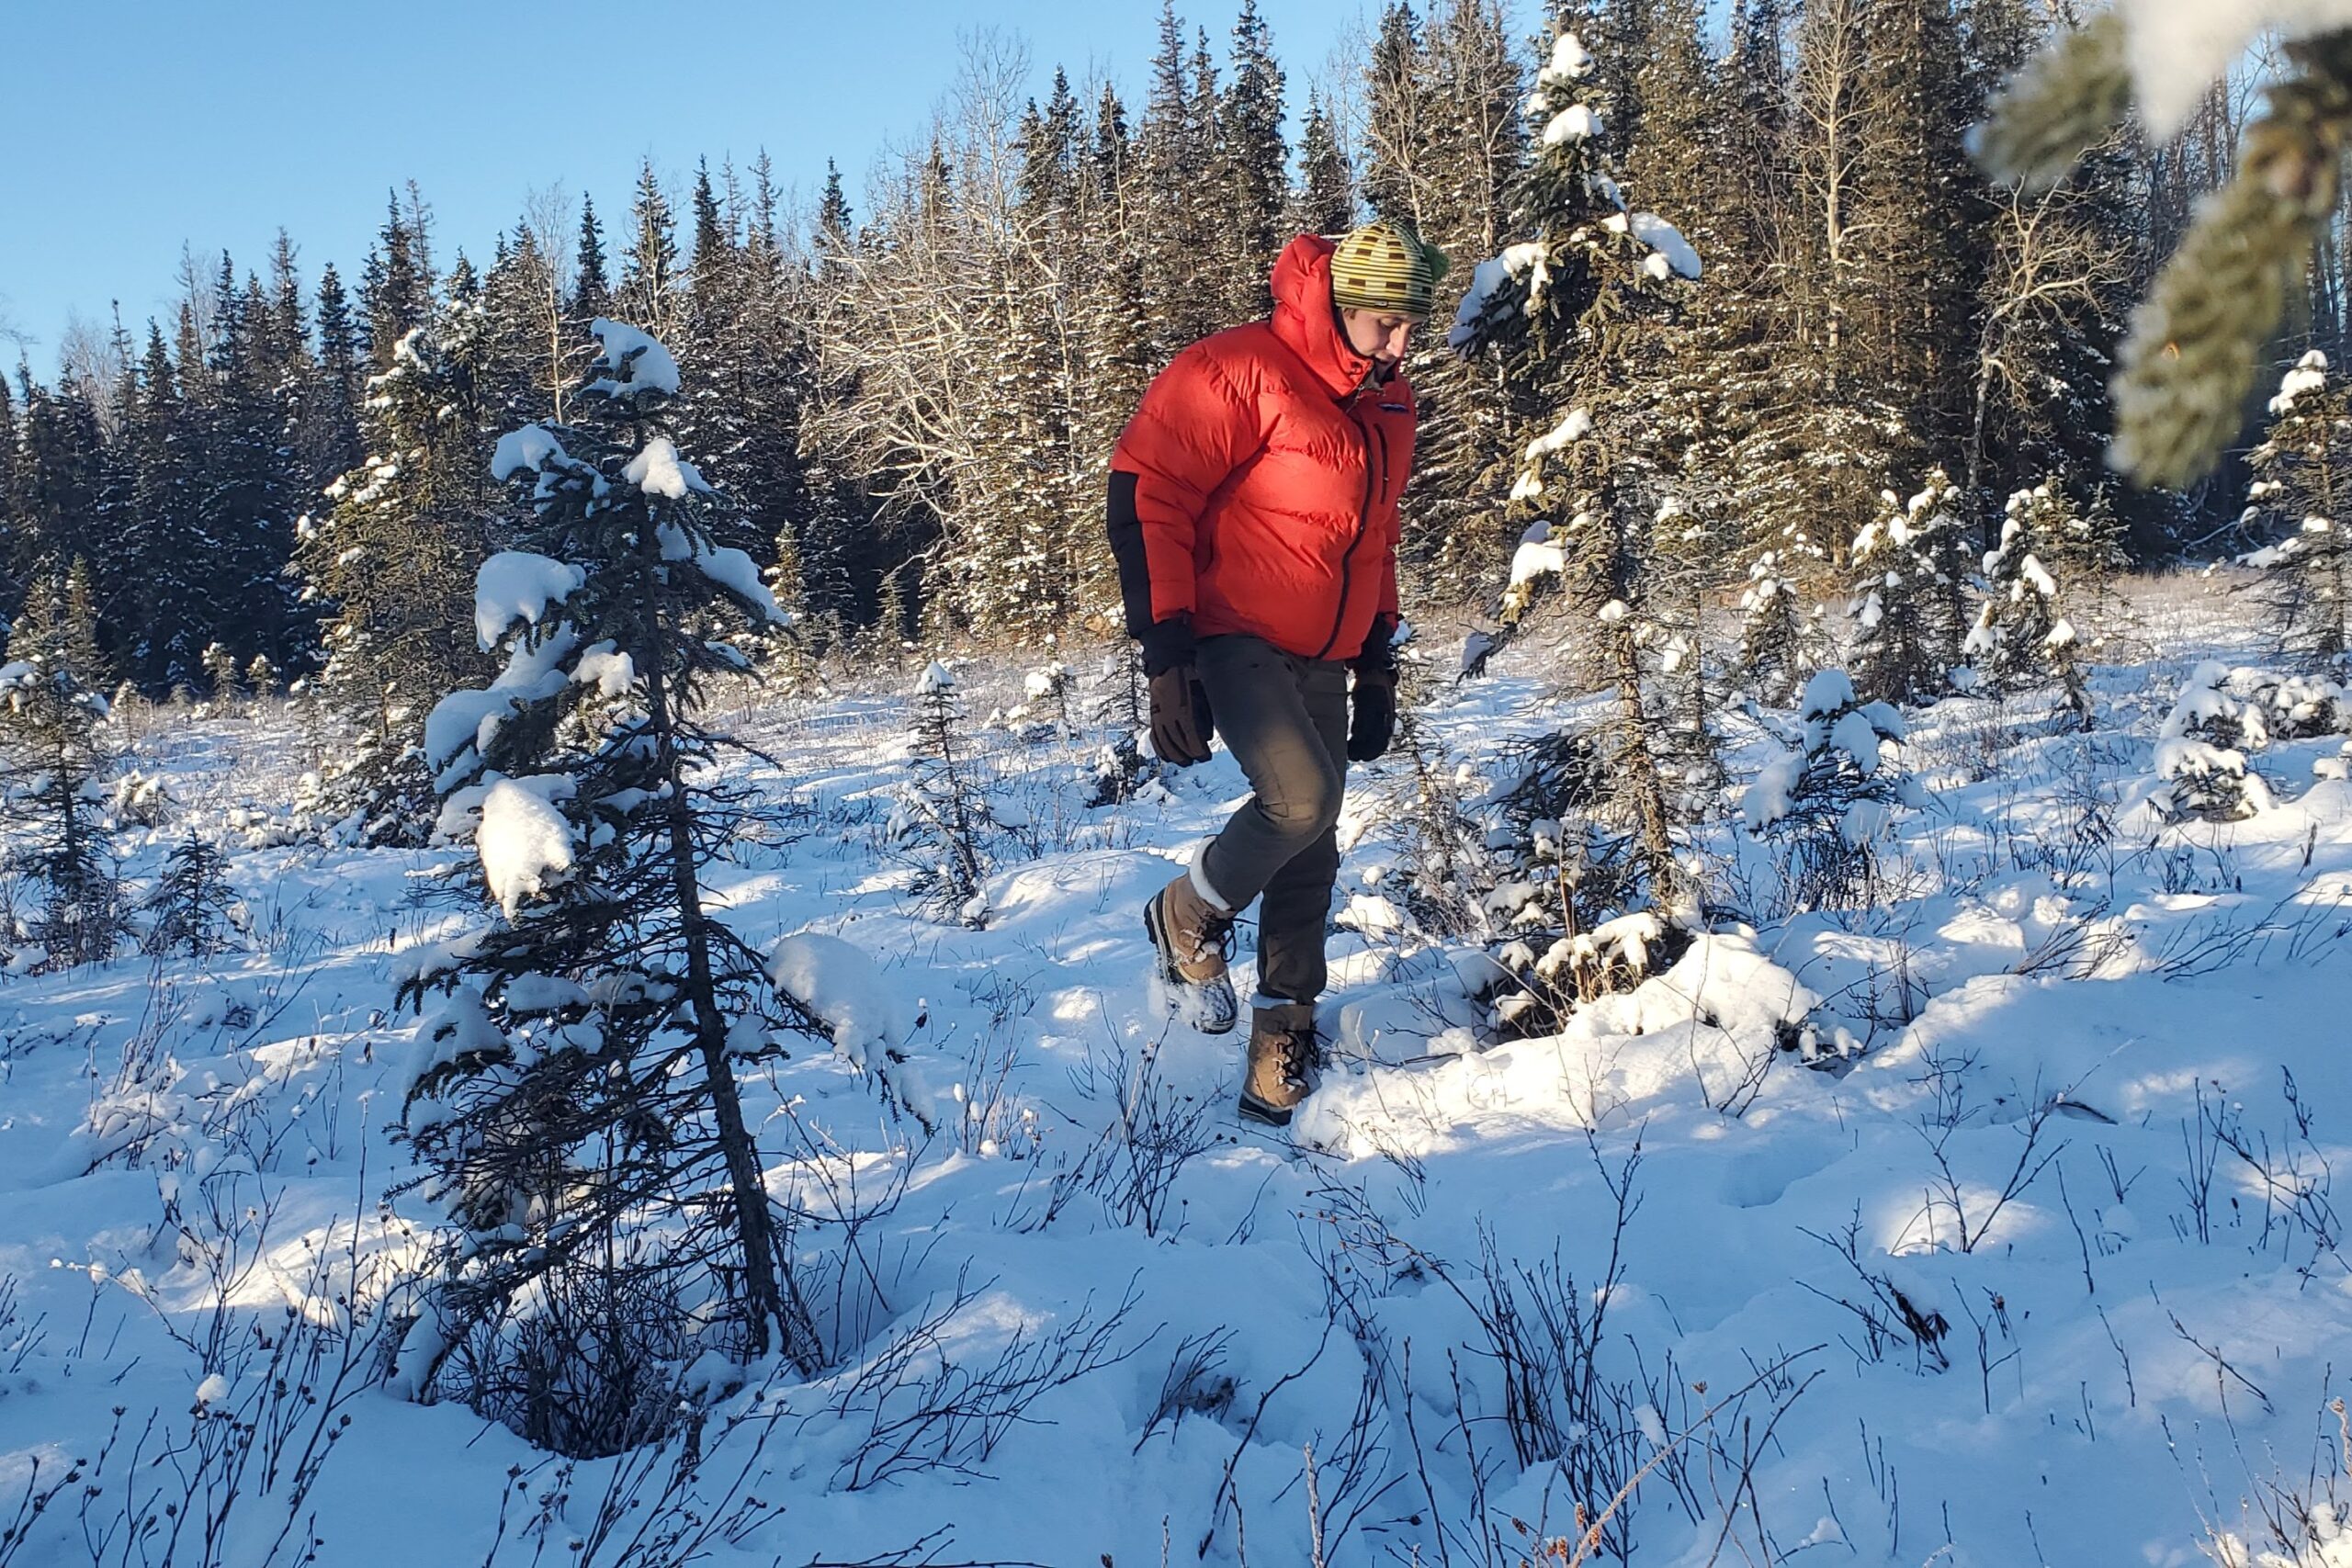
(1304, 320)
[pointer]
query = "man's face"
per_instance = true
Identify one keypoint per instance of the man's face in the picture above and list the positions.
(1379, 335)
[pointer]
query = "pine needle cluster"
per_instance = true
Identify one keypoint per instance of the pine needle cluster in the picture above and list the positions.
(2190, 361)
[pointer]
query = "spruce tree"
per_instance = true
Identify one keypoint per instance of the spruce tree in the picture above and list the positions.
(1325, 201)
(2022, 637)
(575, 1104)
(192, 911)
(1570, 309)
(591, 289)
(53, 752)
(1465, 100)
(646, 297)
(1908, 564)
(392, 565)
(1397, 116)
(332, 442)
(1249, 171)
(2303, 488)
(396, 288)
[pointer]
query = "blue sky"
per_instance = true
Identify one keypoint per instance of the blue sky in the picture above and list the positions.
(159, 122)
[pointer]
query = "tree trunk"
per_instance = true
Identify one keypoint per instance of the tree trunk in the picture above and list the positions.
(770, 1321)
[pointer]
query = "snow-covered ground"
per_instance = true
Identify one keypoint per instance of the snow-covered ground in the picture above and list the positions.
(2040, 1262)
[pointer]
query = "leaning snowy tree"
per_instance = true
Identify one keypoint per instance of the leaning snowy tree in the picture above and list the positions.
(575, 1101)
(2190, 364)
(1573, 311)
(2303, 479)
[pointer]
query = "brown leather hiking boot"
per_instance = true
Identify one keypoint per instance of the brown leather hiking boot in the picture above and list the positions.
(1282, 1052)
(1194, 938)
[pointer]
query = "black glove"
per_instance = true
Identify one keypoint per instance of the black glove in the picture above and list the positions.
(1376, 714)
(1376, 696)
(1180, 721)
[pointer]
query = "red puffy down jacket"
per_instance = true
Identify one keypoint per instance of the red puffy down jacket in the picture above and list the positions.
(1255, 489)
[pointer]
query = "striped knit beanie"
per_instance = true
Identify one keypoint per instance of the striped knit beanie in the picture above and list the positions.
(1385, 266)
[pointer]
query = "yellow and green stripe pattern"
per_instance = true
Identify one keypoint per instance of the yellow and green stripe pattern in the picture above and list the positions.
(1385, 266)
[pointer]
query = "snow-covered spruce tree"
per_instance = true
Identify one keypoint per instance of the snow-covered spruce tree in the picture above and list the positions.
(2201, 773)
(1907, 569)
(942, 812)
(192, 910)
(57, 624)
(1124, 770)
(2303, 479)
(53, 753)
(2022, 637)
(574, 1100)
(1776, 636)
(393, 562)
(1829, 802)
(1571, 311)
(1690, 693)
(1446, 869)
(221, 671)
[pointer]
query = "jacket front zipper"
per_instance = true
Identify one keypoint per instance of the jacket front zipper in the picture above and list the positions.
(1364, 521)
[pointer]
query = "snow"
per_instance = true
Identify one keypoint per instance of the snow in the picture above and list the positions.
(659, 470)
(1827, 692)
(1574, 123)
(838, 982)
(1536, 560)
(2177, 46)
(1569, 61)
(516, 585)
(2310, 375)
(1575, 426)
(525, 844)
(2170, 974)
(530, 447)
(636, 362)
(464, 722)
(734, 569)
(1663, 237)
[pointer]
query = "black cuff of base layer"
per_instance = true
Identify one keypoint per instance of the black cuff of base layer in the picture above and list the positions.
(1167, 644)
(1379, 655)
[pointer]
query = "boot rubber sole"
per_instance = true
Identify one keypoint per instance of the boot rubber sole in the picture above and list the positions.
(1252, 1108)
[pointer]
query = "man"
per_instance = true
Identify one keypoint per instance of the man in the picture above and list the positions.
(1253, 514)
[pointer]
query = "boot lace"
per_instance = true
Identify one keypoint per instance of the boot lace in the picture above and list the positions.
(1298, 1054)
(1216, 935)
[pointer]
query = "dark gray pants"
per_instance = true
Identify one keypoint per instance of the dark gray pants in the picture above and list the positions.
(1285, 720)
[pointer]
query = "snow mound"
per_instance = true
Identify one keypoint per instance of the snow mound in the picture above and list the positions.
(524, 842)
(840, 985)
(529, 447)
(659, 470)
(1720, 1015)
(516, 585)
(636, 361)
